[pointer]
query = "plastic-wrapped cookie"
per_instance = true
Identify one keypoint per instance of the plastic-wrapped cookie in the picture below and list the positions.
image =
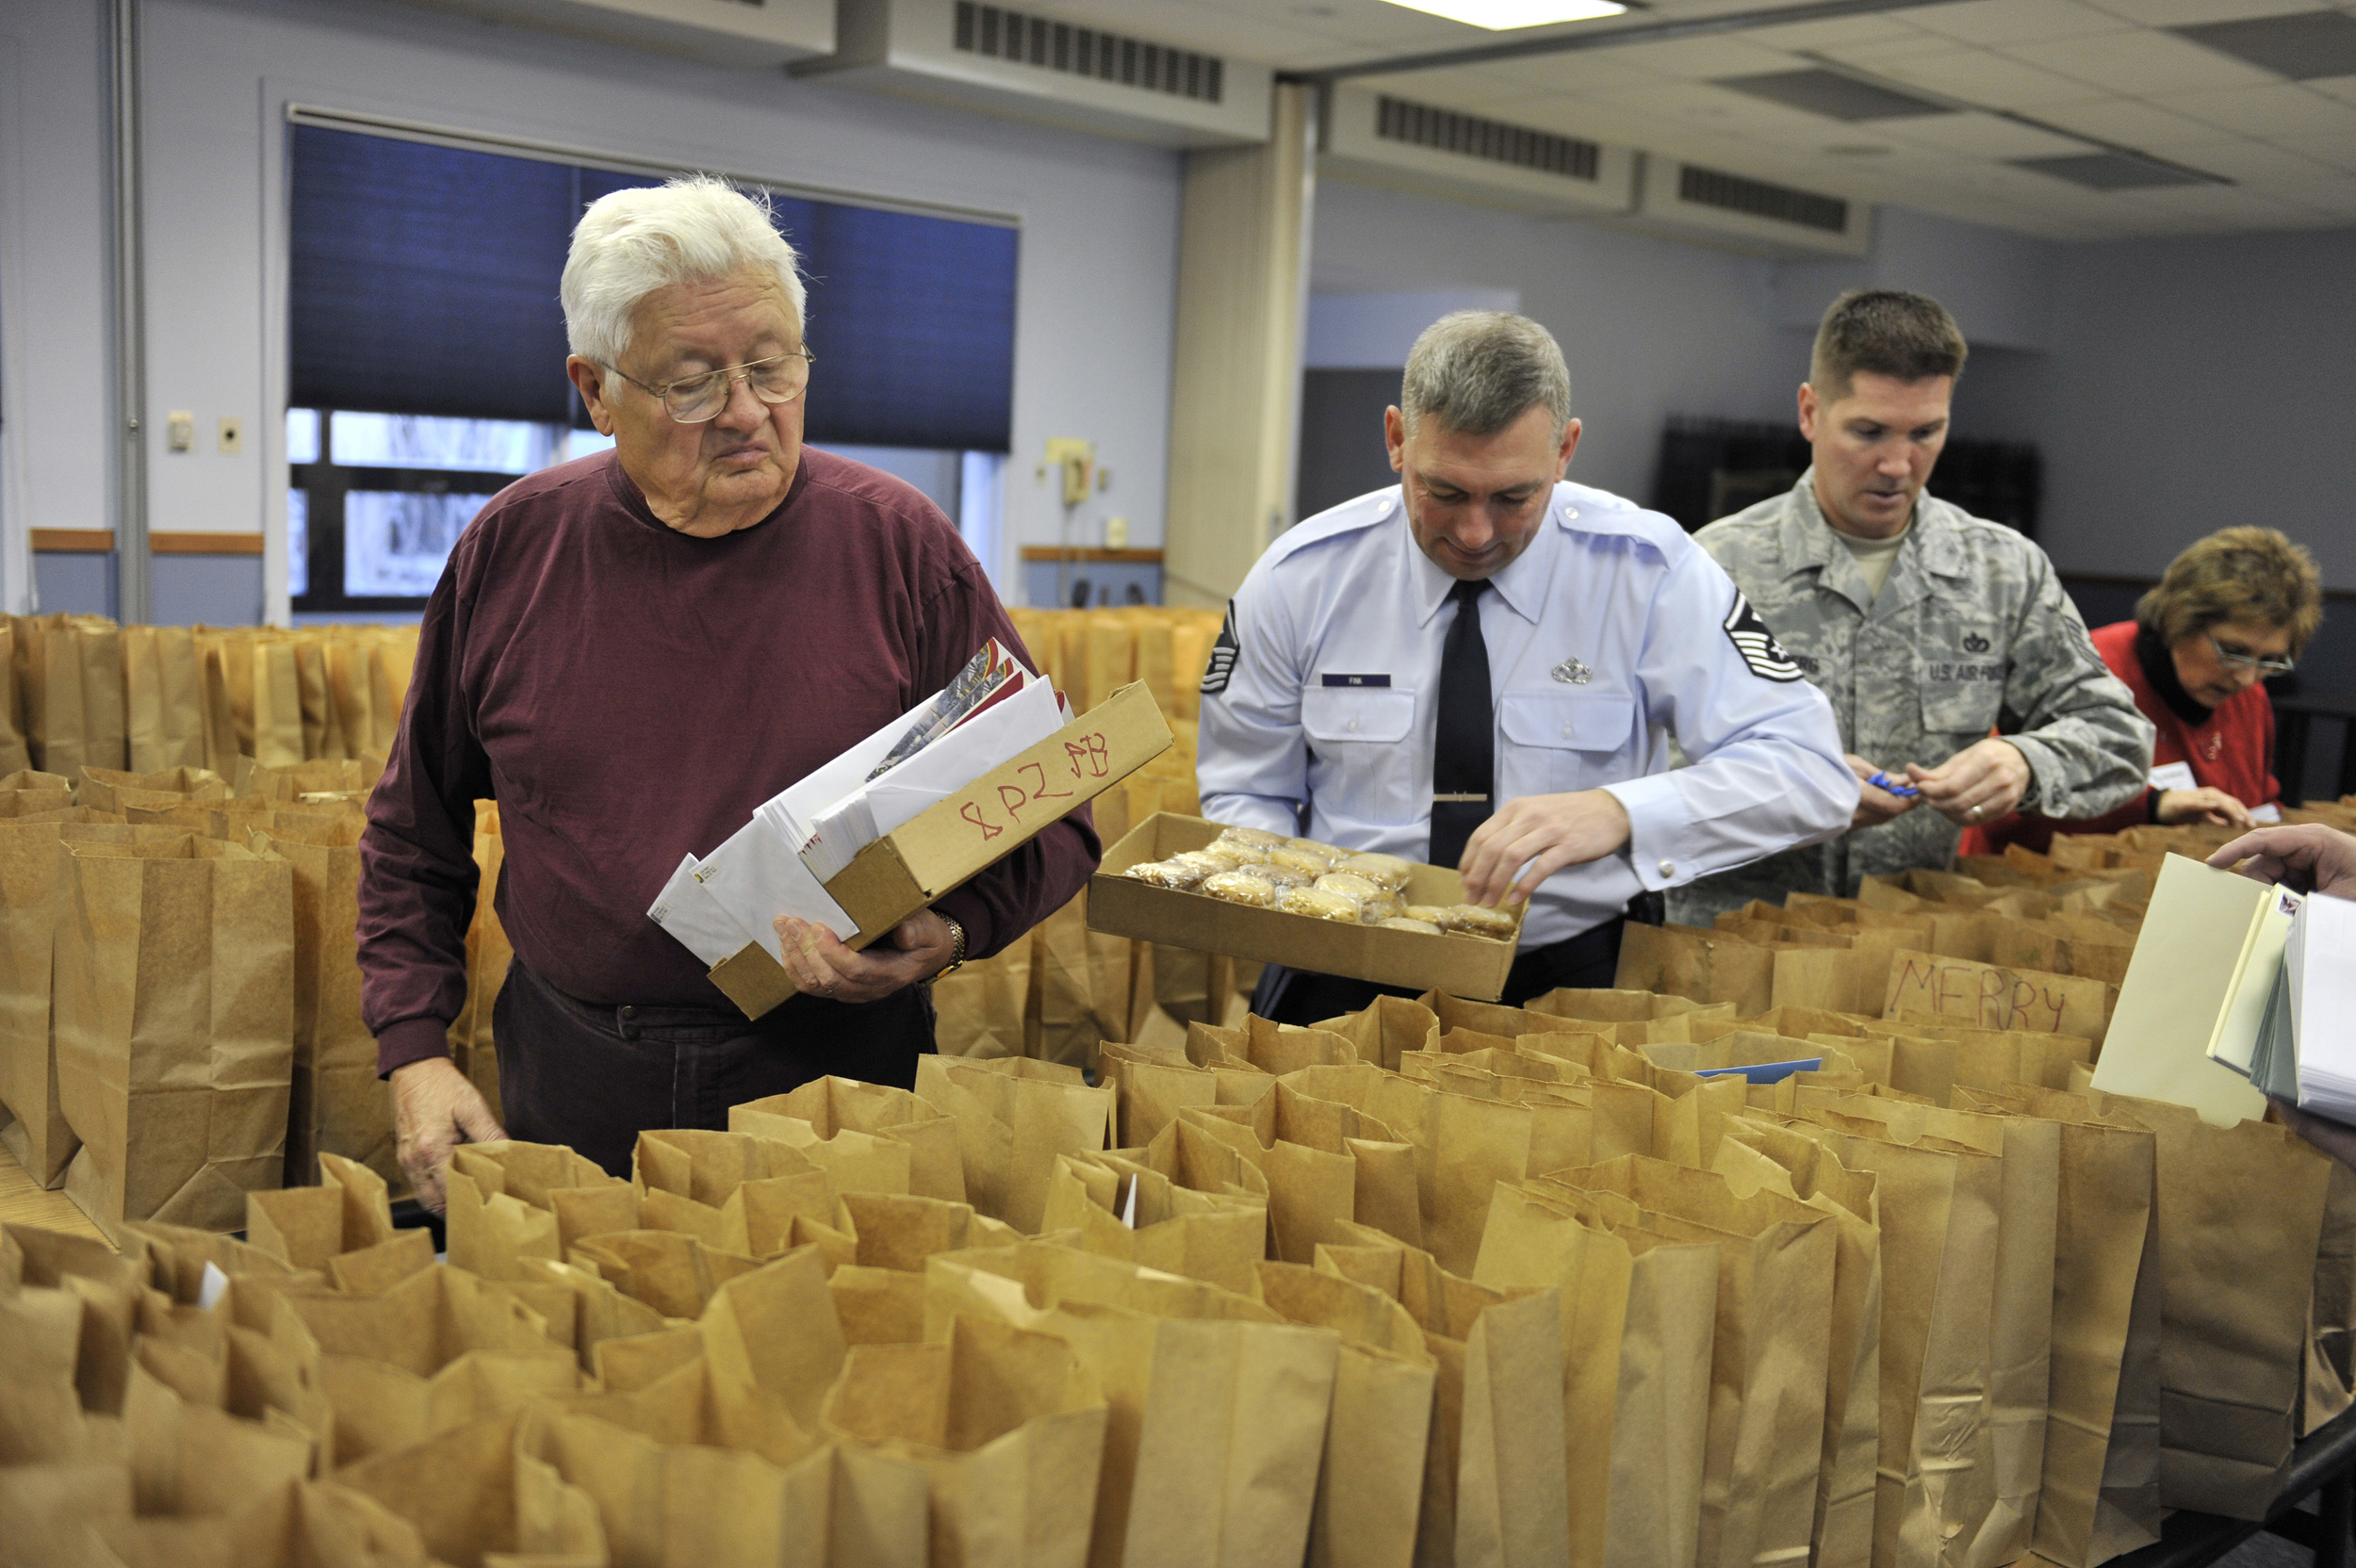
(1472, 918)
(1350, 886)
(1279, 876)
(1300, 860)
(1237, 887)
(1383, 907)
(1401, 922)
(1210, 860)
(1431, 914)
(1253, 838)
(1318, 904)
(1333, 853)
(1165, 873)
(1387, 872)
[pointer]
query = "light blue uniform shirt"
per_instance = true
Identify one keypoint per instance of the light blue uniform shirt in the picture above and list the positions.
(1611, 632)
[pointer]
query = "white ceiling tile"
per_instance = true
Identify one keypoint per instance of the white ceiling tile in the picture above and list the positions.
(1881, 51)
(2336, 151)
(2186, 13)
(1704, 58)
(2229, 203)
(2130, 124)
(2341, 87)
(1987, 80)
(2015, 21)
(2258, 164)
(2140, 63)
(1835, 33)
(2284, 108)
(1590, 71)
(1981, 135)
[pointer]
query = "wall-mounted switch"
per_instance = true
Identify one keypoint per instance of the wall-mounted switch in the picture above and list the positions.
(180, 430)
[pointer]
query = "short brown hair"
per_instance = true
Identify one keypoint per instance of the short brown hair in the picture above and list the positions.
(2249, 575)
(1883, 332)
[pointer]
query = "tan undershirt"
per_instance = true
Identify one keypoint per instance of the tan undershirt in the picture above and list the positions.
(1874, 557)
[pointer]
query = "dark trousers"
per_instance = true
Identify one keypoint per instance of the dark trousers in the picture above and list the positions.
(593, 1077)
(1589, 961)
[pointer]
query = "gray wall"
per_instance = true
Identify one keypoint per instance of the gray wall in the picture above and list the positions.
(2193, 385)
(1649, 326)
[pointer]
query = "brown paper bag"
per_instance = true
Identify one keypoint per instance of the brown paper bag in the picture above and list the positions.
(163, 699)
(15, 755)
(833, 1106)
(1008, 1424)
(1013, 1117)
(69, 671)
(473, 1496)
(174, 1027)
(2238, 1276)
(1198, 1382)
(339, 1105)
(471, 1045)
(1752, 1155)
(1698, 965)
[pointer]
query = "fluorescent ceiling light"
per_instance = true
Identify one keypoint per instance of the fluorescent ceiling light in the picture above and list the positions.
(1498, 15)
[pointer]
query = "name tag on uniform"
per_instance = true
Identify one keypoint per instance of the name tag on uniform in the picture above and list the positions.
(1357, 679)
(2173, 776)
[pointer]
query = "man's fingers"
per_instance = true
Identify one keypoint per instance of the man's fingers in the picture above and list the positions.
(476, 1120)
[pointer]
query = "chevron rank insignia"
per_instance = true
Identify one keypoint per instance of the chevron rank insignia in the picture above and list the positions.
(1223, 653)
(1756, 643)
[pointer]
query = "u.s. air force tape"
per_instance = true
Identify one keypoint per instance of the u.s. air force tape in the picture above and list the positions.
(1223, 656)
(1755, 643)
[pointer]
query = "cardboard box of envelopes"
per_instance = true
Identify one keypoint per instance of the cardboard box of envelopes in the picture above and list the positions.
(952, 841)
(1459, 964)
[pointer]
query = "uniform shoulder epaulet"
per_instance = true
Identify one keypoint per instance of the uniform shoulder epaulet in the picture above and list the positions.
(1336, 522)
(1581, 509)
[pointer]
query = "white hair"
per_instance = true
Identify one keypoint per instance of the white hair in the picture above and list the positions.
(692, 229)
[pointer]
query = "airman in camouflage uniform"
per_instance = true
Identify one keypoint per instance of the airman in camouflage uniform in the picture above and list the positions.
(1970, 631)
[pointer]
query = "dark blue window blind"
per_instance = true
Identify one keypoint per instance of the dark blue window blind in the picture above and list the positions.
(423, 280)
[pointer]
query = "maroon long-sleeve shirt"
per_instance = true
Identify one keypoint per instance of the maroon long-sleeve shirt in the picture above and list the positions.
(629, 695)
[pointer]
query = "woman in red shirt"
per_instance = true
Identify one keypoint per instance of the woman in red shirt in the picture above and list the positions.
(2235, 608)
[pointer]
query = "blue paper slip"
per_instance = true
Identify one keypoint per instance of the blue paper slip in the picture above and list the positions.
(1883, 781)
(1764, 1072)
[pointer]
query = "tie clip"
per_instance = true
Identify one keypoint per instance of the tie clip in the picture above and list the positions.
(1459, 800)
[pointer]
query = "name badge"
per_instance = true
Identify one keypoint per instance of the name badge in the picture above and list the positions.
(1357, 679)
(2173, 776)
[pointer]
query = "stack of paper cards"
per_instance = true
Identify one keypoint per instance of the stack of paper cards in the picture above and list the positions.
(779, 862)
(2196, 990)
(2306, 1046)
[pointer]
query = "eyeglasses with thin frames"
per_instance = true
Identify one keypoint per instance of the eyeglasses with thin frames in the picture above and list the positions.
(699, 398)
(2234, 659)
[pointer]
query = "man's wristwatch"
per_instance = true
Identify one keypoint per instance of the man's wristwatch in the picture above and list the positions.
(957, 949)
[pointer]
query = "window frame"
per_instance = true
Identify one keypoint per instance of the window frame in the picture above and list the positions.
(325, 484)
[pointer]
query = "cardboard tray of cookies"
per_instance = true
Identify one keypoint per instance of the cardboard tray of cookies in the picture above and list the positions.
(1298, 909)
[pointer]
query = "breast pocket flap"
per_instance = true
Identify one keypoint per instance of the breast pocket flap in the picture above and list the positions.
(1342, 714)
(1568, 721)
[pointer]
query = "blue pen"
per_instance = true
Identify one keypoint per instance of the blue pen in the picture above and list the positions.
(1883, 781)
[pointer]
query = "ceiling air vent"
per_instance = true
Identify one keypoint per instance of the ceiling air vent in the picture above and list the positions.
(1033, 64)
(1469, 135)
(1398, 142)
(1052, 45)
(1752, 214)
(1710, 188)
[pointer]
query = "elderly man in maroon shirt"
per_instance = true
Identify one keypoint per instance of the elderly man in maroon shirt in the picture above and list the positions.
(631, 652)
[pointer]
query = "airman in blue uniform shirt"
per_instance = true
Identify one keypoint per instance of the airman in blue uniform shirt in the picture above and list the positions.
(1608, 631)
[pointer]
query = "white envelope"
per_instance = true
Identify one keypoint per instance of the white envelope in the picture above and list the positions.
(756, 876)
(699, 920)
(949, 764)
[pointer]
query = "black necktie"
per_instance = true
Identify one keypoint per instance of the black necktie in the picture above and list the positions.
(1463, 760)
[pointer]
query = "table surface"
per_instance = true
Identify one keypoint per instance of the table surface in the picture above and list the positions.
(22, 1204)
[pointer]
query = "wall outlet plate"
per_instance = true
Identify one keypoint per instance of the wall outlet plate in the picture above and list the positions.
(232, 434)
